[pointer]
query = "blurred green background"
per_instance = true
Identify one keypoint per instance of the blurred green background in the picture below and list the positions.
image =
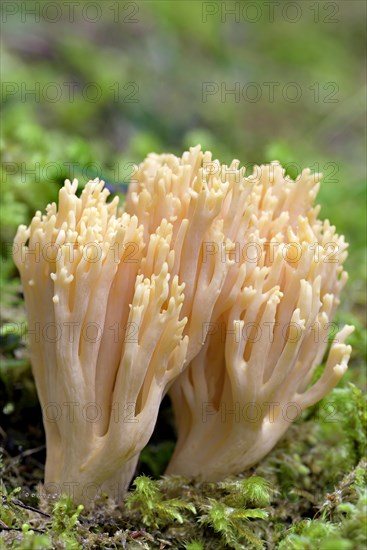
(89, 88)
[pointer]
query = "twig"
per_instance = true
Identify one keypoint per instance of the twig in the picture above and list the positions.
(18, 529)
(29, 452)
(26, 507)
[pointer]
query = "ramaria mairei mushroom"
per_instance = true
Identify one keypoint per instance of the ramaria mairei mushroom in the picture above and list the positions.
(105, 340)
(250, 380)
(271, 313)
(120, 304)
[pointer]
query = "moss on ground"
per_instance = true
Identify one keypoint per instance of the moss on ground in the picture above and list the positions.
(309, 492)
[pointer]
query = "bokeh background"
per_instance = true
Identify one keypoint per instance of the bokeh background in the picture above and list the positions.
(89, 88)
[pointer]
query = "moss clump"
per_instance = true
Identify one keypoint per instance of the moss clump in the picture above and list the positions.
(173, 513)
(155, 511)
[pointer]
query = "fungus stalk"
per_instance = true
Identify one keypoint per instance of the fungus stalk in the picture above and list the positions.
(251, 360)
(251, 378)
(105, 340)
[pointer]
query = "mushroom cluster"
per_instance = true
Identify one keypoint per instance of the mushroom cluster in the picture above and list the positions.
(105, 333)
(215, 286)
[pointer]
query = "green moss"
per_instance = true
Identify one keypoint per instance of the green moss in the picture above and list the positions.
(153, 508)
(237, 513)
